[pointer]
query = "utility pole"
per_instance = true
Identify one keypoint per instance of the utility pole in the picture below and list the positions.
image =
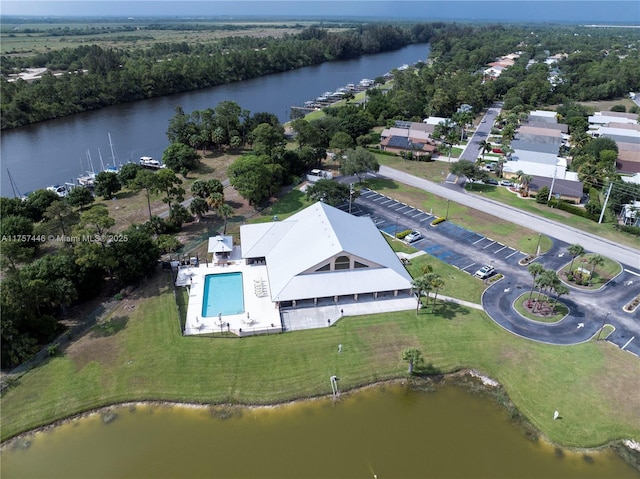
(604, 206)
(350, 195)
(553, 182)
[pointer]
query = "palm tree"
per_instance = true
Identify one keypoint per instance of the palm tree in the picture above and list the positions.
(413, 356)
(198, 207)
(526, 181)
(500, 165)
(595, 260)
(225, 212)
(485, 147)
(545, 281)
(421, 284)
(534, 269)
(574, 250)
(436, 283)
(560, 290)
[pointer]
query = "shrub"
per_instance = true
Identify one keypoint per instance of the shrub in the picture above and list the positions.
(634, 230)
(619, 108)
(438, 221)
(542, 195)
(564, 206)
(402, 234)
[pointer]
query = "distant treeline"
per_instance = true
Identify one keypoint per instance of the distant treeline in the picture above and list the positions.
(99, 77)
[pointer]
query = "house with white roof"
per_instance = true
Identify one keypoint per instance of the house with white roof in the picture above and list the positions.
(322, 253)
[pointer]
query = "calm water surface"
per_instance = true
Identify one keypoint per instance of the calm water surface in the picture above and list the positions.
(387, 431)
(55, 151)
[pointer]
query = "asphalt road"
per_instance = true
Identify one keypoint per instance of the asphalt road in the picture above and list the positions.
(625, 255)
(468, 251)
(472, 149)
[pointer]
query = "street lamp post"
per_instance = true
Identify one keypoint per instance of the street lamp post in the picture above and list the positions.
(446, 216)
(538, 247)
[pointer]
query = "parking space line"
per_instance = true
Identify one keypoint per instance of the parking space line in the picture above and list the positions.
(514, 252)
(425, 219)
(418, 213)
(627, 343)
(401, 208)
(479, 240)
(490, 244)
(468, 266)
(407, 213)
(496, 252)
(386, 201)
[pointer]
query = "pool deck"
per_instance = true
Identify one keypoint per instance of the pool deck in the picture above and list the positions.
(260, 314)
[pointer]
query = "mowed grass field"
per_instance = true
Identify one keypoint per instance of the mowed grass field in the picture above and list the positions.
(31, 38)
(138, 353)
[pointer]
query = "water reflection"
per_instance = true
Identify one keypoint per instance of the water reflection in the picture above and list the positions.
(388, 431)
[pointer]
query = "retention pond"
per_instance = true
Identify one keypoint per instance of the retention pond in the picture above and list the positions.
(384, 432)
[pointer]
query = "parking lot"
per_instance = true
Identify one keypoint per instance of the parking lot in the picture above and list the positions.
(470, 251)
(450, 243)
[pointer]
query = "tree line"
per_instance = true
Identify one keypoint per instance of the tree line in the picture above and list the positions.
(97, 77)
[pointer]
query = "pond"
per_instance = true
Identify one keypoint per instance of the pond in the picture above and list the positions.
(384, 432)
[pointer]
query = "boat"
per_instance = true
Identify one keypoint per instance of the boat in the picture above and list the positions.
(148, 162)
(89, 179)
(14, 187)
(114, 167)
(60, 190)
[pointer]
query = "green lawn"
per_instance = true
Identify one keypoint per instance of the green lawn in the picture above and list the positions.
(601, 274)
(594, 385)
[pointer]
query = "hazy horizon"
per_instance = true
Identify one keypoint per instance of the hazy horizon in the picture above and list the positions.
(523, 11)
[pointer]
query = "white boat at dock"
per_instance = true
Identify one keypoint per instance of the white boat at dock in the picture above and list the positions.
(148, 162)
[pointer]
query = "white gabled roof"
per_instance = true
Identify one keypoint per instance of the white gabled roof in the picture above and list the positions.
(220, 244)
(310, 239)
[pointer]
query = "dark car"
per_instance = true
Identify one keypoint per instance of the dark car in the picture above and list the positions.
(491, 181)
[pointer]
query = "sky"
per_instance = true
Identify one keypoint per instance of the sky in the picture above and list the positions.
(574, 11)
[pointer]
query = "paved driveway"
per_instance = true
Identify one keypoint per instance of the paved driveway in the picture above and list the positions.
(468, 251)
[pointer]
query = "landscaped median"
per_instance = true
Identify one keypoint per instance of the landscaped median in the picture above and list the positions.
(593, 384)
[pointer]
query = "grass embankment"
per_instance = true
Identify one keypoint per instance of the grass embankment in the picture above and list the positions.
(436, 172)
(140, 355)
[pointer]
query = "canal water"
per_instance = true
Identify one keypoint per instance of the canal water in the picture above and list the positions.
(55, 151)
(383, 432)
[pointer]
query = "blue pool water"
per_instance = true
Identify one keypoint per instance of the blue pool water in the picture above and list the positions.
(222, 294)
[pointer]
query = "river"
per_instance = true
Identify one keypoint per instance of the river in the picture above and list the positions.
(55, 151)
(383, 432)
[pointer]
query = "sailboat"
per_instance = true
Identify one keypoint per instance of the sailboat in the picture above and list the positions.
(114, 167)
(88, 180)
(14, 187)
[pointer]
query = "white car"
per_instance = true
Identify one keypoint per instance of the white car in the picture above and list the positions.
(485, 272)
(505, 183)
(413, 237)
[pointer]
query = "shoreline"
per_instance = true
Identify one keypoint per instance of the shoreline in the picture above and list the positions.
(472, 380)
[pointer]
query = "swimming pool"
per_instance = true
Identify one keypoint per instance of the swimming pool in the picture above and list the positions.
(223, 294)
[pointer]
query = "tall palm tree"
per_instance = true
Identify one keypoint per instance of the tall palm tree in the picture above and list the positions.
(421, 284)
(595, 260)
(225, 212)
(485, 147)
(436, 283)
(526, 181)
(560, 290)
(574, 250)
(545, 281)
(535, 269)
